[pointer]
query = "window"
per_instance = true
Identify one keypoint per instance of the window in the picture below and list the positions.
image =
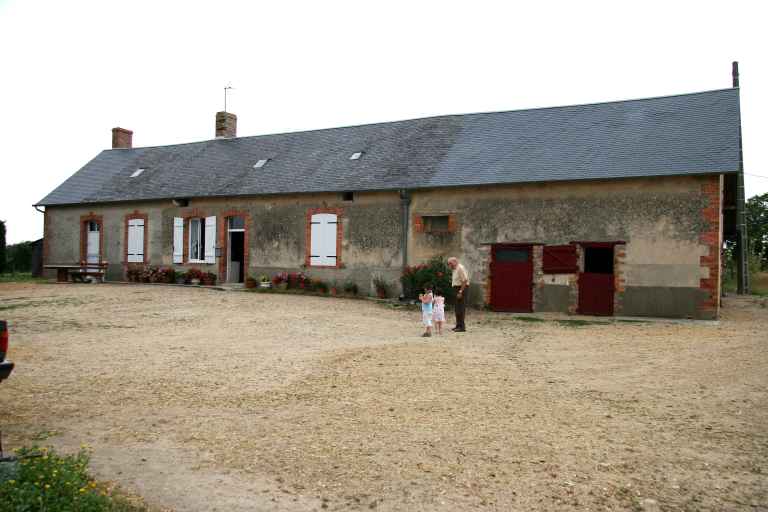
(347, 196)
(135, 252)
(512, 255)
(137, 173)
(236, 223)
(435, 223)
(197, 239)
(261, 163)
(202, 239)
(356, 156)
(560, 259)
(598, 260)
(323, 233)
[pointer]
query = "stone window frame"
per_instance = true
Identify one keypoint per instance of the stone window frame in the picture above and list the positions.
(339, 212)
(128, 217)
(419, 226)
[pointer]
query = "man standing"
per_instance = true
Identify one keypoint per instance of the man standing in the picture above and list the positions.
(460, 283)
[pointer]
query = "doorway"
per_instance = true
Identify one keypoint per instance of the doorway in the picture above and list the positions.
(93, 244)
(235, 249)
(596, 282)
(512, 278)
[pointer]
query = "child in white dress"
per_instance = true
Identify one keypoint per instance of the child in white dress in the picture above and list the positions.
(438, 313)
(426, 299)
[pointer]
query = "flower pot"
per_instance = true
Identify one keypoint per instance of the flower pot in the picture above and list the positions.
(265, 284)
(282, 286)
(194, 281)
(382, 294)
(180, 280)
(251, 283)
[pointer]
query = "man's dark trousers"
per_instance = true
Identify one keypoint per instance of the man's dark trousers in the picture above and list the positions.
(461, 309)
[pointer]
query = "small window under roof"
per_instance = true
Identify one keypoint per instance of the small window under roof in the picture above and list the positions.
(137, 173)
(356, 156)
(261, 163)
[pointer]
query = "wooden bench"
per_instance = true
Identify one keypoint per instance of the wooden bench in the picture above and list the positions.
(79, 273)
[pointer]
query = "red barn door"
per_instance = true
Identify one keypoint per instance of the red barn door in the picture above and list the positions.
(511, 278)
(596, 282)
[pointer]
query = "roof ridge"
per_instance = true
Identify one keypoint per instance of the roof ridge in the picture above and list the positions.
(443, 116)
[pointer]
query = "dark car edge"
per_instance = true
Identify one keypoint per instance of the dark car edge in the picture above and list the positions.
(5, 366)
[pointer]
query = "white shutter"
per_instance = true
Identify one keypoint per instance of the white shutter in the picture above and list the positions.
(210, 239)
(136, 241)
(178, 240)
(323, 240)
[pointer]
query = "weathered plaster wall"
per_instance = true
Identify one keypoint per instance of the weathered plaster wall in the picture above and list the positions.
(371, 240)
(671, 227)
(661, 220)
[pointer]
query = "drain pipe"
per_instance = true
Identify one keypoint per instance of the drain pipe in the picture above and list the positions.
(405, 206)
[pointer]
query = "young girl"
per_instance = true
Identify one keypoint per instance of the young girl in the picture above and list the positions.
(438, 313)
(426, 310)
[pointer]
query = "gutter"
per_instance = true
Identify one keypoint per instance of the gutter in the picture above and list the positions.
(405, 206)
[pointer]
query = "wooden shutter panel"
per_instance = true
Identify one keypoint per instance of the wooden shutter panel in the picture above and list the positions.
(178, 240)
(560, 259)
(136, 241)
(323, 239)
(210, 239)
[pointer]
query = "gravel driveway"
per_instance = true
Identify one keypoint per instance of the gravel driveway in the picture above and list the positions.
(201, 400)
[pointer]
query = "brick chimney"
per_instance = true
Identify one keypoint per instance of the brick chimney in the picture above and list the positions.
(122, 138)
(226, 125)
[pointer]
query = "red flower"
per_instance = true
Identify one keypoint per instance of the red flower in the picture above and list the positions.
(440, 274)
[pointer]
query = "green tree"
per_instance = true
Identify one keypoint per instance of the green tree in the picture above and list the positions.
(2, 246)
(757, 227)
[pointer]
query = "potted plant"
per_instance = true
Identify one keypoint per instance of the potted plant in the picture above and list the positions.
(382, 287)
(250, 282)
(194, 275)
(280, 280)
(320, 285)
(179, 277)
(350, 287)
(208, 279)
(264, 281)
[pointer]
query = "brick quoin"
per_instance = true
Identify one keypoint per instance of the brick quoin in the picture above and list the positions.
(339, 236)
(135, 215)
(84, 220)
(223, 230)
(452, 224)
(418, 224)
(710, 237)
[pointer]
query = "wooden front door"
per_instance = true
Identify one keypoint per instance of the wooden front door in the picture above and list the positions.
(511, 278)
(596, 282)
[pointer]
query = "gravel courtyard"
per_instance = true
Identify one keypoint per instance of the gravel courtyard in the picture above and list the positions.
(201, 400)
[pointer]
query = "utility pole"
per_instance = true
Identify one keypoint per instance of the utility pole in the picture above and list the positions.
(742, 240)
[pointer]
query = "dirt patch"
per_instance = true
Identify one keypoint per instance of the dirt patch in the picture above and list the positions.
(201, 401)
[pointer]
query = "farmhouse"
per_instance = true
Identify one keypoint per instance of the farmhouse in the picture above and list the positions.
(616, 208)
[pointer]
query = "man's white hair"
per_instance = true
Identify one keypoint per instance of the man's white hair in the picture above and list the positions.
(453, 259)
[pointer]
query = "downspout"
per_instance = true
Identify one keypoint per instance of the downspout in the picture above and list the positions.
(742, 240)
(405, 207)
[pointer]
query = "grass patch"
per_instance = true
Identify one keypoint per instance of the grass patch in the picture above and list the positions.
(21, 277)
(41, 480)
(580, 323)
(528, 319)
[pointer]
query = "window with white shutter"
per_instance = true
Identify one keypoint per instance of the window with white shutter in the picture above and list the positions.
(210, 240)
(136, 241)
(178, 240)
(324, 229)
(202, 240)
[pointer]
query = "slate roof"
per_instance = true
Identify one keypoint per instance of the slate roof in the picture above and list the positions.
(674, 135)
